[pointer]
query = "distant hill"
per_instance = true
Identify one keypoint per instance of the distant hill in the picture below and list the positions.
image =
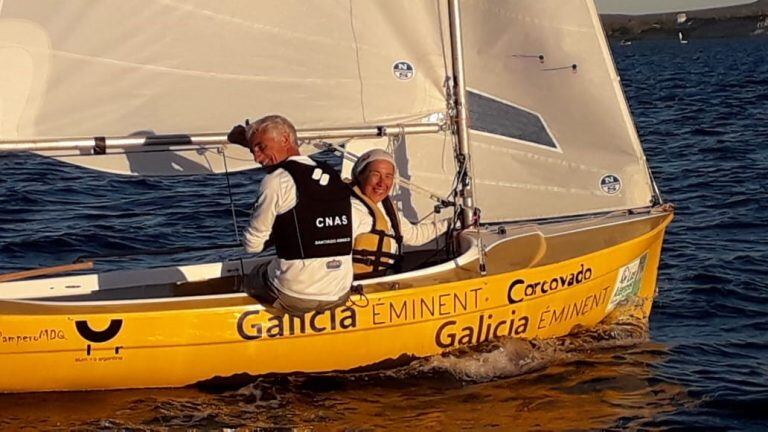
(744, 20)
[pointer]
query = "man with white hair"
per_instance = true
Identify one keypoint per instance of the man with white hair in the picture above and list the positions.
(378, 249)
(305, 207)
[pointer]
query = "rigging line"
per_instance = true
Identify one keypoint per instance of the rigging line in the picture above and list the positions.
(457, 209)
(430, 214)
(229, 190)
(480, 245)
(442, 36)
(240, 278)
(357, 60)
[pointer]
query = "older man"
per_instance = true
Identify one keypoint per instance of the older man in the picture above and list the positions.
(305, 207)
(377, 251)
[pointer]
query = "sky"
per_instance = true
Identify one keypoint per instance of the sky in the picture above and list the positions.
(646, 6)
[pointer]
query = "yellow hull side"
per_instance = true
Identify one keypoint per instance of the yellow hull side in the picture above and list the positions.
(45, 346)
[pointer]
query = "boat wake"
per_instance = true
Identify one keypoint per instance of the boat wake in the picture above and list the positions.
(604, 356)
(513, 357)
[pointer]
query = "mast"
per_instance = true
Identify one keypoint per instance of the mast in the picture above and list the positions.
(462, 116)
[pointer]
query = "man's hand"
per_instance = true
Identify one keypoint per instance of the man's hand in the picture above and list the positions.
(237, 136)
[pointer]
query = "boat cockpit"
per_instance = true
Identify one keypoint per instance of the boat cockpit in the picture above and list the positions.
(507, 248)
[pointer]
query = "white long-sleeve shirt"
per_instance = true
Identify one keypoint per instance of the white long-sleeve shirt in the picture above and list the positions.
(413, 235)
(312, 278)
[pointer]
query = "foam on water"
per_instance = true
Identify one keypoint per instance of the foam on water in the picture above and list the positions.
(511, 357)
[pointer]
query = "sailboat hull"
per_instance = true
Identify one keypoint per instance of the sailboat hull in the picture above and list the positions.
(49, 346)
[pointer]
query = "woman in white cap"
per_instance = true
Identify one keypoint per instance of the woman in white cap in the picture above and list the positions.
(378, 249)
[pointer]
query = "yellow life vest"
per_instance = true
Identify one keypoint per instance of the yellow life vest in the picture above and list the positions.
(375, 252)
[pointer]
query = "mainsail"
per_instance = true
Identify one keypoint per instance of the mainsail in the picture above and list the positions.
(551, 133)
(84, 68)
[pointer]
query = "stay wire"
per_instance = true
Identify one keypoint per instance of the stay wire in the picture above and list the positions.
(231, 199)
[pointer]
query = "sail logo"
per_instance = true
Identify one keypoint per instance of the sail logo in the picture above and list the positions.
(610, 184)
(403, 70)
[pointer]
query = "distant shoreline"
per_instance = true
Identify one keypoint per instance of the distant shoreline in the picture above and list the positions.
(735, 21)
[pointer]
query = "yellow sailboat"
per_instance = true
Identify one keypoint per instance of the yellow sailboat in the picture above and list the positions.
(512, 107)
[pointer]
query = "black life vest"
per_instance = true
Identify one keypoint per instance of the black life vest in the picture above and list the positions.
(320, 224)
(374, 253)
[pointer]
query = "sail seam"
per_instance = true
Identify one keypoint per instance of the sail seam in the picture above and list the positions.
(208, 14)
(202, 74)
(357, 61)
(555, 161)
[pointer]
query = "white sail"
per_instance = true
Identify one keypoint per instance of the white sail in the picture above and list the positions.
(82, 68)
(551, 134)
(551, 137)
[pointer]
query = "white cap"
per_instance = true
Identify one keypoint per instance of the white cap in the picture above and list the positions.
(370, 156)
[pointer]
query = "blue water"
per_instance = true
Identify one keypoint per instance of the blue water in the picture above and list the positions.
(702, 114)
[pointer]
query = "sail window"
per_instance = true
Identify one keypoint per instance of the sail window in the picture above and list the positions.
(496, 117)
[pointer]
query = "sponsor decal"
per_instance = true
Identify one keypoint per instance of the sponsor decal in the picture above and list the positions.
(610, 184)
(430, 306)
(98, 337)
(628, 281)
(570, 311)
(403, 70)
(520, 289)
(44, 335)
(450, 335)
(251, 327)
